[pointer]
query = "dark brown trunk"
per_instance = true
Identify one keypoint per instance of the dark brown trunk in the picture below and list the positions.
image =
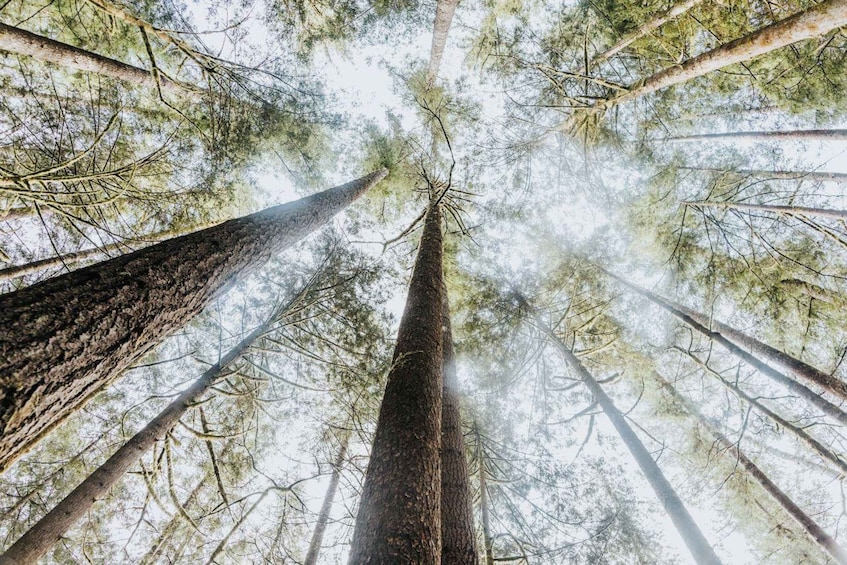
(802, 390)
(690, 533)
(458, 540)
(66, 338)
(812, 529)
(22, 42)
(399, 519)
(444, 10)
(326, 507)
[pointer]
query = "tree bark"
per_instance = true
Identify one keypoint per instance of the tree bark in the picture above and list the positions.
(644, 30)
(690, 533)
(806, 134)
(812, 529)
(22, 42)
(803, 391)
(399, 519)
(18, 213)
(458, 539)
(487, 540)
(814, 176)
(326, 507)
(444, 10)
(799, 210)
(66, 338)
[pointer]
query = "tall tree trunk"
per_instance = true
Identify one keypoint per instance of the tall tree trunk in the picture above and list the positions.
(813, 291)
(690, 533)
(50, 529)
(484, 510)
(18, 213)
(814, 176)
(399, 518)
(803, 134)
(831, 458)
(791, 210)
(644, 30)
(223, 543)
(812, 529)
(458, 539)
(715, 335)
(22, 42)
(444, 10)
(808, 24)
(66, 338)
(70, 259)
(326, 507)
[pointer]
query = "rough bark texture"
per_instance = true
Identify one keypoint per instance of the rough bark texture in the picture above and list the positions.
(812, 529)
(800, 389)
(803, 134)
(326, 507)
(67, 337)
(690, 533)
(399, 518)
(810, 23)
(799, 210)
(814, 176)
(444, 10)
(22, 42)
(458, 539)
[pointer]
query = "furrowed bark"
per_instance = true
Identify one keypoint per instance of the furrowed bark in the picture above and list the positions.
(690, 533)
(791, 210)
(812, 529)
(806, 134)
(444, 10)
(399, 519)
(326, 507)
(458, 539)
(66, 338)
(22, 42)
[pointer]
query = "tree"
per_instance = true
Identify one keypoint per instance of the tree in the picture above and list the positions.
(780, 135)
(68, 337)
(444, 10)
(790, 210)
(326, 507)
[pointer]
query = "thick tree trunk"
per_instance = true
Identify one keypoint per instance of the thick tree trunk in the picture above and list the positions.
(791, 210)
(814, 176)
(399, 518)
(22, 42)
(70, 259)
(690, 533)
(326, 507)
(808, 24)
(716, 335)
(66, 338)
(458, 540)
(831, 458)
(484, 510)
(50, 529)
(444, 10)
(805, 134)
(812, 529)
(644, 30)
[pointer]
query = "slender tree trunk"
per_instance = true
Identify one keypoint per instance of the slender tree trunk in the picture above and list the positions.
(831, 458)
(808, 24)
(804, 134)
(399, 518)
(690, 533)
(813, 291)
(487, 540)
(803, 391)
(222, 545)
(458, 540)
(50, 529)
(17, 213)
(792, 210)
(812, 529)
(66, 338)
(22, 42)
(644, 30)
(326, 507)
(814, 176)
(444, 10)
(70, 259)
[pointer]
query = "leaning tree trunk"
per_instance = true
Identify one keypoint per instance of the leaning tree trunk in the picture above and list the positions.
(791, 210)
(808, 24)
(458, 539)
(767, 174)
(812, 529)
(444, 10)
(399, 518)
(70, 259)
(52, 527)
(690, 533)
(717, 336)
(66, 338)
(18, 213)
(22, 42)
(326, 507)
(802, 134)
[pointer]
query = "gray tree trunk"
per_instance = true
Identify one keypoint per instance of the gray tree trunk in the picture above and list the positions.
(791, 210)
(326, 507)
(444, 10)
(806, 134)
(814, 176)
